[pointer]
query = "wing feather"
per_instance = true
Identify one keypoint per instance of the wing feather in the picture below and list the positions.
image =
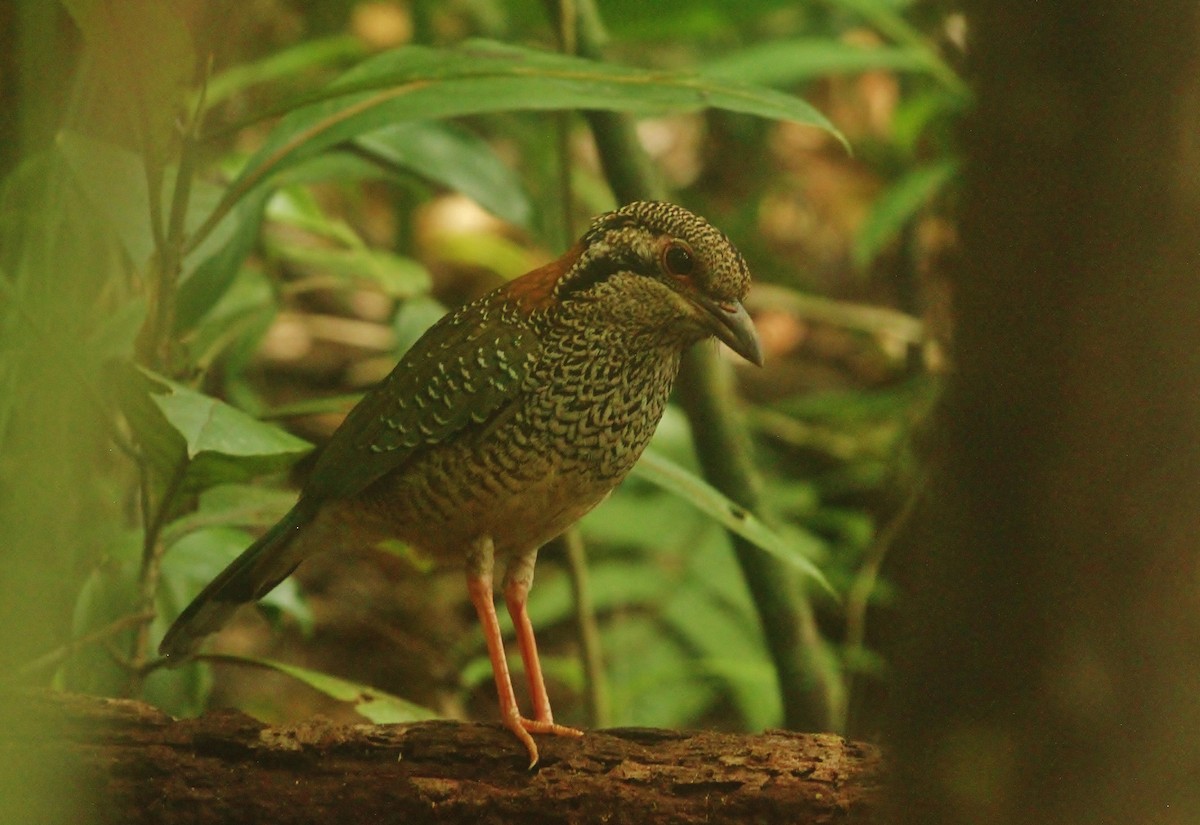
(465, 371)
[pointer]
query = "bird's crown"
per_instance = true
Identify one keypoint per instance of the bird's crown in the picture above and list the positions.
(658, 240)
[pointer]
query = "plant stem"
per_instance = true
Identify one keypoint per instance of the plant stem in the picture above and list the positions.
(809, 681)
(53, 657)
(586, 627)
(575, 555)
(154, 518)
(858, 599)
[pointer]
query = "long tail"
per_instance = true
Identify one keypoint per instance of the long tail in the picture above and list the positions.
(249, 577)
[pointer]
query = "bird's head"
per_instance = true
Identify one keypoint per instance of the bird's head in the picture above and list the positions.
(655, 263)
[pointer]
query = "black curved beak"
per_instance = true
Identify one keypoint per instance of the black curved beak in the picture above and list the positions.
(732, 324)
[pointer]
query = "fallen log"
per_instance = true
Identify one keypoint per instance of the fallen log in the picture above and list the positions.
(141, 766)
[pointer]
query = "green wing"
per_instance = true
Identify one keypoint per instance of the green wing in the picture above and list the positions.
(459, 375)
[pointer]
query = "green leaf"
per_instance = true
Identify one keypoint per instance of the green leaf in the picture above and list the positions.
(753, 686)
(709, 631)
(211, 442)
(109, 592)
(614, 584)
(232, 505)
(374, 704)
(640, 515)
(283, 65)
(449, 155)
(203, 288)
(650, 676)
(396, 275)
(232, 329)
(886, 18)
(898, 206)
(197, 556)
(670, 476)
(420, 83)
(337, 251)
(414, 319)
(561, 669)
(790, 62)
(868, 318)
(503, 256)
(114, 181)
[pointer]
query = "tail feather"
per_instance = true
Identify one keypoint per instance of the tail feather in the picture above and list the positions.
(248, 578)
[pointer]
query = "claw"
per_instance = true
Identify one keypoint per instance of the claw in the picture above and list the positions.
(522, 728)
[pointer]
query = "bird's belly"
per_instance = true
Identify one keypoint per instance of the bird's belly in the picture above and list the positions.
(450, 503)
(543, 510)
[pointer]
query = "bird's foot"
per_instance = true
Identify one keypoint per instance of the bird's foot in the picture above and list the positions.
(522, 728)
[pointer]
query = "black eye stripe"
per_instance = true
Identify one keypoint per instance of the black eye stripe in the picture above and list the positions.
(598, 270)
(611, 248)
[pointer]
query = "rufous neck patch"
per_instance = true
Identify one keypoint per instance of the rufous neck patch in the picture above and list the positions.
(535, 290)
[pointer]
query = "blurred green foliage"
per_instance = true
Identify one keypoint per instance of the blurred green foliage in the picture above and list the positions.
(153, 230)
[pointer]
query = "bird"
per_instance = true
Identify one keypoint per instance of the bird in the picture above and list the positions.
(506, 422)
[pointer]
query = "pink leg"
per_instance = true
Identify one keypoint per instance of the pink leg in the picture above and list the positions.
(518, 578)
(479, 586)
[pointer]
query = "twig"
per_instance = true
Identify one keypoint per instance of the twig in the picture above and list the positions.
(53, 657)
(858, 597)
(859, 317)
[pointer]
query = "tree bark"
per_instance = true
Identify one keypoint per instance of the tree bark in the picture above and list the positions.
(1052, 670)
(140, 766)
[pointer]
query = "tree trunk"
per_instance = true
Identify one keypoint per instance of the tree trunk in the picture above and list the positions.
(1053, 674)
(140, 766)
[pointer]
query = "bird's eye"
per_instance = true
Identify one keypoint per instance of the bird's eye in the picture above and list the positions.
(678, 260)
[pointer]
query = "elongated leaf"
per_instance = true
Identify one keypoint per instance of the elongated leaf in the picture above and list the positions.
(562, 669)
(614, 584)
(505, 257)
(283, 65)
(204, 287)
(788, 62)
(228, 506)
(898, 206)
(866, 318)
(753, 687)
(326, 246)
(449, 155)
(886, 17)
(376, 705)
(419, 83)
(396, 275)
(670, 476)
(116, 336)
